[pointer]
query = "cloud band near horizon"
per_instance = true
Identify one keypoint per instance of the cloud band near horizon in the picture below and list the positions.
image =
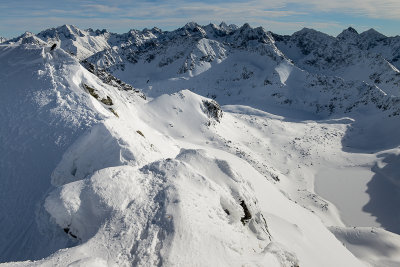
(283, 16)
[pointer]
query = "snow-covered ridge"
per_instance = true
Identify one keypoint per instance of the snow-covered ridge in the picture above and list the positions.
(370, 56)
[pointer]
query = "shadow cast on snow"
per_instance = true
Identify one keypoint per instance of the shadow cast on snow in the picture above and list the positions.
(384, 192)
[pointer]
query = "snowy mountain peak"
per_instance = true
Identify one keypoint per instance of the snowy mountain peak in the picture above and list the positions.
(245, 27)
(75, 41)
(223, 25)
(372, 35)
(352, 30)
(191, 25)
(246, 34)
(309, 32)
(154, 30)
(2, 39)
(307, 35)
(97, 31)
(226, 27)
(191, 29)
(27, 38)
(62, 33)
(349, 34)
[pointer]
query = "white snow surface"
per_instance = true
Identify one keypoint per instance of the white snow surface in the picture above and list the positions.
(300, 166)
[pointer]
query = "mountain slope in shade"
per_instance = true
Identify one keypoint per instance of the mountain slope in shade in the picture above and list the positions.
(42, 115)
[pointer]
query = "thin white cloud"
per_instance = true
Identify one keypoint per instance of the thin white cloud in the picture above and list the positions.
(103, 8)
(382, 9)
(119, 15)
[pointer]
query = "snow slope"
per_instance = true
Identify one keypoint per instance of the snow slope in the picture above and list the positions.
(284, 173)
(148, 213)
(43, 114)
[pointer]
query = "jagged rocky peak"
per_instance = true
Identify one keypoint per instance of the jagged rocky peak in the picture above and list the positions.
(245, 28)
(307, 32)
(348, 34)
(137, 37)
(62, 32)
(192, 29)
(70, 29)
(372, 34)
(248, 33)
(220, 30)
(154, 30)
(311, 36)
(370, 39)
(97, 32)
(27, 38)
(230, 27)
(307, 40)
(191, 25)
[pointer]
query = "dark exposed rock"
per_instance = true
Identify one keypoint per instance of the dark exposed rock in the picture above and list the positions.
(247, 214)
(213, 109)
(109, 79)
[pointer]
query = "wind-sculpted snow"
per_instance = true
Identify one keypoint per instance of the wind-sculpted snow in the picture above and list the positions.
(43, 112)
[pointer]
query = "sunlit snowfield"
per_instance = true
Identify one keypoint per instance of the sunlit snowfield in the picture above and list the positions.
(210, 145)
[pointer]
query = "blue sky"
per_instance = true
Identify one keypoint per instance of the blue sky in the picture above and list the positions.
(280, 16)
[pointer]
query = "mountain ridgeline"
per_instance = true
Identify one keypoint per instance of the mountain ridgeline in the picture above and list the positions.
(309, 70)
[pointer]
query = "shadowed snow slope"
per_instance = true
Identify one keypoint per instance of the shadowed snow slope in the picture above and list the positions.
(43, 112)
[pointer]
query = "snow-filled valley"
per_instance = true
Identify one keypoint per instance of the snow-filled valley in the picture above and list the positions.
(211, 145)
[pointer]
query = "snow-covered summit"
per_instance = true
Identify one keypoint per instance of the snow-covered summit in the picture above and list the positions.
(26, 38)
(348, 35)
(372, 34)
(76, 41)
